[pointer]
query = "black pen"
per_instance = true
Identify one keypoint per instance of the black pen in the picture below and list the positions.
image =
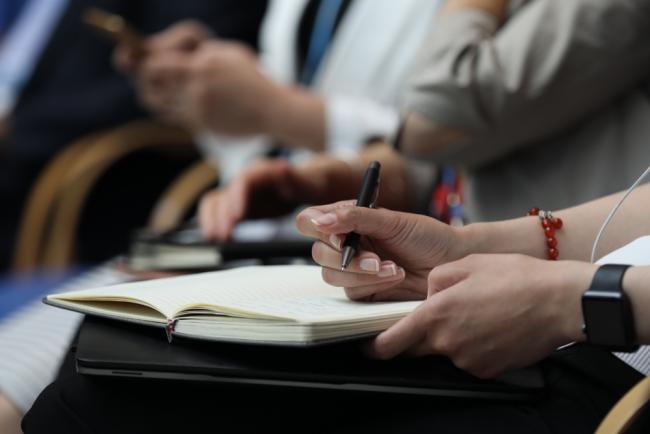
(367, 198)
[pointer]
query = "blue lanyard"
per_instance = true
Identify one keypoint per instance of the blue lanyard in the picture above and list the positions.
(321, 36)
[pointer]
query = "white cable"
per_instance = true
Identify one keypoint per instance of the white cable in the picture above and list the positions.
(613, 212)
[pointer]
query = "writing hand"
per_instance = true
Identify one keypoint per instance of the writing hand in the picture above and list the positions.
(397, 249)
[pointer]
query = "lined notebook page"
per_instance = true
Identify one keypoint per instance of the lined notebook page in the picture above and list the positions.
(295, 292)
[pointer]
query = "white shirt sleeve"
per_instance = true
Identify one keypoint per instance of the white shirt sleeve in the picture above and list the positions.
(350, 122)
(231, 154)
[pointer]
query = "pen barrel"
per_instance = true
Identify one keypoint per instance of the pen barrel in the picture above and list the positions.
(350, 247)
(366, 198)
(352, 240)
(369, 185)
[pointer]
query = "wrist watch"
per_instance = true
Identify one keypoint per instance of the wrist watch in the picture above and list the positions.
(608, 319)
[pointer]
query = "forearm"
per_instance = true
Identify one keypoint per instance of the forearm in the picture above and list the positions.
(296, 118)
(422, 136)
(9, 417)
(575, 239)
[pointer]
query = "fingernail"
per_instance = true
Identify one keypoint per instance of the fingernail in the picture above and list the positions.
(325, 219)
(387, 270)
(336, 242)
(369, 264)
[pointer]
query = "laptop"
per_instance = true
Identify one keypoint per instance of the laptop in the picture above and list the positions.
(109, 348)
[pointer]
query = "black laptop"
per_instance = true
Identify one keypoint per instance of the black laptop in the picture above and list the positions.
(109, 348)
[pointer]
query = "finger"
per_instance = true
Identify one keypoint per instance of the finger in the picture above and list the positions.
(164, 71)
(184, 36)
(152, 98)
(389, 272)
(125, 59)
(205, 214)
(402, 335)
(238, 196)
(386, 290)
(224, 222)
(306, 220)
(445, 276)
(376, 223)
(333, 240)
(364, 262)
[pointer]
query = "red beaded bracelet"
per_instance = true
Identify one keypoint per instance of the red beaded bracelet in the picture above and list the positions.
(550, 224)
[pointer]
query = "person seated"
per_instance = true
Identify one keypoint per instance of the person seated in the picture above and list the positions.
(371, 93)
(327, 78)
(500, 93)
(494, 299)
(549, 9)
(57, 84)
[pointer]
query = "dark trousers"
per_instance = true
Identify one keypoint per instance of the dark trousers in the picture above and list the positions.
(583, 383)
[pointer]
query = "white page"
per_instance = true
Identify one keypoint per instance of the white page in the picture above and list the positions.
(295, 292)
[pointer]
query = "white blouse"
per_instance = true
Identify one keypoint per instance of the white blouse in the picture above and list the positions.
(361, 77)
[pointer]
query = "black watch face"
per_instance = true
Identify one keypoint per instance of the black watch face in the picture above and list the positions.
(605, 324)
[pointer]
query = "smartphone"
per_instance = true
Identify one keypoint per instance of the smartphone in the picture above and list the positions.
(115, 28)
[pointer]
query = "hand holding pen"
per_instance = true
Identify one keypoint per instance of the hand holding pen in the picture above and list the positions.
(395, 252)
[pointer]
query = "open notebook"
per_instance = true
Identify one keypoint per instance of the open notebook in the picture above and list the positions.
(285, 305)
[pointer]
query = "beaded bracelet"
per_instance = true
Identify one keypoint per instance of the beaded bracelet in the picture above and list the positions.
(550, 224)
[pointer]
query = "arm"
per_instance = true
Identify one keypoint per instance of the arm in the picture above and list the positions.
(575, 239)
(416, 257)
(415, 242)
(498, 88)
(216, 85)
(635, 283)
(9, 417)
(298, 118)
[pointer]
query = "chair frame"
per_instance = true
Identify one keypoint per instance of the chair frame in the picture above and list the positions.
(46, 236)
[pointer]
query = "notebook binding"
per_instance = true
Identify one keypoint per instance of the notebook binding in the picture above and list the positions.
(169, 329)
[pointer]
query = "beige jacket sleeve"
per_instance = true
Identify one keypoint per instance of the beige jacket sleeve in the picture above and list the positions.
(552, 64)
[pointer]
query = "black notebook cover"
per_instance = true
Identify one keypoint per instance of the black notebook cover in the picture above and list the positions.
(116, 349)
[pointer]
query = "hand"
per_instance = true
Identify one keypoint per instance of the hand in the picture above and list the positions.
(396, 253)
(492, 313)
(226, 92)
(185, 36)
(160, 73)
(271, 188)
(266, 189)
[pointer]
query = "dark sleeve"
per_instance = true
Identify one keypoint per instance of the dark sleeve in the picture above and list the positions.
(229, 19)
(551, 65)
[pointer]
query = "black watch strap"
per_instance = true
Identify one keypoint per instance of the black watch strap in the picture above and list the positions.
(607, 310)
